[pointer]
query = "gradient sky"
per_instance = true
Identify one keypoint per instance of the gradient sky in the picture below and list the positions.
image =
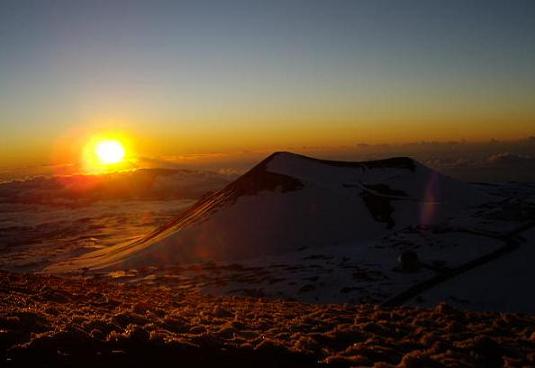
(205, 76)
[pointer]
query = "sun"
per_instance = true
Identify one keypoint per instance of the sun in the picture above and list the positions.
(109, 152)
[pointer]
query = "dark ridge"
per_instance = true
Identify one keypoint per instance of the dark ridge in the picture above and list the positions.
(380, 206)
(259, 179)
(265, 181)
(393, 163)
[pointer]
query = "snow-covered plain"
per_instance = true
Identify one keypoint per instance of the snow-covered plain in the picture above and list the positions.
(46, 219)
(323, 231)
(35, 236)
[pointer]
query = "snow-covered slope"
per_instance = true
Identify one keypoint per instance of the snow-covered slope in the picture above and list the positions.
(289, 202)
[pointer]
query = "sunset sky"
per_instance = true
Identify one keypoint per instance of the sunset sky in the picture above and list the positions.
(183, 77)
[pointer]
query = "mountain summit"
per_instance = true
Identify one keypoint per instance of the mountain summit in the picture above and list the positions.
(288, 202)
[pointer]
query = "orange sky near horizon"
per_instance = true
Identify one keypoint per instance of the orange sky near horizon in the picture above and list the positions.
(231, 75)
(67, 147)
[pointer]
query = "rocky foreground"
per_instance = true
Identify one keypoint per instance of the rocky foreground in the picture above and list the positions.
(75, 321)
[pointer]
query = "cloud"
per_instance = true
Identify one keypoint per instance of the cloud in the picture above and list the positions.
(508, 157)
(142, 184)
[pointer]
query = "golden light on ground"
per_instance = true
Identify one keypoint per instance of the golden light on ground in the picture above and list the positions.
(110, 152)
(107, 153)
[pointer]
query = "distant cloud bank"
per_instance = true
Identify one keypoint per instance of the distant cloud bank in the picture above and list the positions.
(493, 160)
(143, 184)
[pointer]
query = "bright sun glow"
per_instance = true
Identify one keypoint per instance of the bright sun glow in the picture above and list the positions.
(110, 152)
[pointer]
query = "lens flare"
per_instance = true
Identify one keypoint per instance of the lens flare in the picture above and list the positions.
(429, 205)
